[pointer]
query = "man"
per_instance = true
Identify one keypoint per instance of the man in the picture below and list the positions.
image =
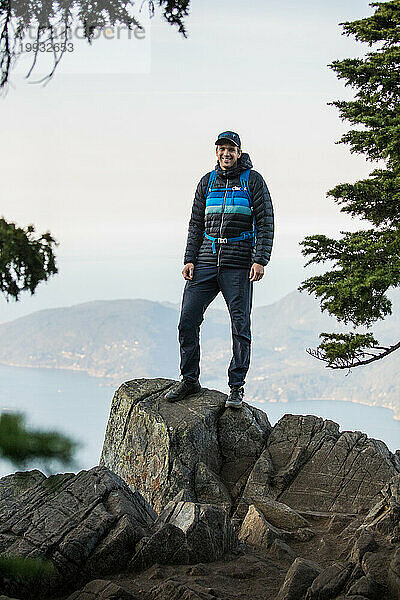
(229, 243)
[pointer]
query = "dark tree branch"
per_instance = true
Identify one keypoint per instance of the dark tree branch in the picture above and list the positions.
(340, 363)
(44, 14)
(5, 54)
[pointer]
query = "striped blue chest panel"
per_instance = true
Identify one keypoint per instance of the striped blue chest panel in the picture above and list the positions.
(235, 199)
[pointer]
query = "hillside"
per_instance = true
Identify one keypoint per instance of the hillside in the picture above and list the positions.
(122, 339)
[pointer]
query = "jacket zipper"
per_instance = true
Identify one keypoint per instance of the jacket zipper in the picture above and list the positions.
(222, 221)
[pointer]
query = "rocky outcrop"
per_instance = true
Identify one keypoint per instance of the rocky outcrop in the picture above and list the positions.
(194, 501)
(160, 448)
(330, 582)
(343, 471)
(375, 546)
(280, 515)
(187, 532)
(234, 459)
(84, 526)
(207, 528)
(13, 486)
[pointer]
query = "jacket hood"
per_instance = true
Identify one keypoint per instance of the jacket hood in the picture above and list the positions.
(244, 163)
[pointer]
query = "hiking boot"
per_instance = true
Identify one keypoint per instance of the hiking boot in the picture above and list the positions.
(235, 398)
(182, 389)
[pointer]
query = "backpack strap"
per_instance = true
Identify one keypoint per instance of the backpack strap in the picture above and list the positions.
(244, 182)
(211, 181)
(245, 235)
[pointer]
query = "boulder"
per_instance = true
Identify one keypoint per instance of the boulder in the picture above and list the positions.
(187, 532)
(84, 526)
(208, 531)
(365, 542)
(298, 579)
(166, 546)
(376, 566)
(257, 531)
(345, 471)
(160, 448)
(280, 514)
(368, 587)
(384, 516)
(330, 582)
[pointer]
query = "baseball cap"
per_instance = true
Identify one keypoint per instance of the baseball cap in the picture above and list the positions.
(231, 136)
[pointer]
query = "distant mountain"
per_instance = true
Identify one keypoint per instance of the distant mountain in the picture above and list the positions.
(126, 339)
(114, 339)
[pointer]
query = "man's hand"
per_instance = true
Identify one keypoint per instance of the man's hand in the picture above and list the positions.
(187, 271)
(256, 272)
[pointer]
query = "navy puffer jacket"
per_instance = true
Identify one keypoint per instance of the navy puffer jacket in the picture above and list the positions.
(231, 224)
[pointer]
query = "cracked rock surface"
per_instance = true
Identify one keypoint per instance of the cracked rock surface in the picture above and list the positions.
(298, 511)
(83, 525)
(344, 471)
(187, 532)
(160, 448)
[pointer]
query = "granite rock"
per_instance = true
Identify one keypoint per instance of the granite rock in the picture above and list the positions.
(257, 531)
(345, 471)
(187, 532)
(84, 526)
(160, 448)
(299, 578)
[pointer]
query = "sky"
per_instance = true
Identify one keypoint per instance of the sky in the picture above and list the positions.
(108, 154)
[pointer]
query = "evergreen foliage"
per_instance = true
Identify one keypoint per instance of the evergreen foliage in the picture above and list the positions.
(47, 18)
(366, 263)
(25, 260)
(20, 445)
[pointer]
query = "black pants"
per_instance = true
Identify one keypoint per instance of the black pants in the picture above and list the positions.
(237, 290)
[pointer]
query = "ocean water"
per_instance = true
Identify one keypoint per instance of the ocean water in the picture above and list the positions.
(78, 405)
(68, 402)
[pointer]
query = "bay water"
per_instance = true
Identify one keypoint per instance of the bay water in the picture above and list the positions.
(78, 406)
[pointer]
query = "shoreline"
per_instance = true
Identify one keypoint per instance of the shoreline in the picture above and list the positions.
(113, 380)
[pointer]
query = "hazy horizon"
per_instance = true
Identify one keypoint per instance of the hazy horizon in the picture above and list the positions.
(109, 161)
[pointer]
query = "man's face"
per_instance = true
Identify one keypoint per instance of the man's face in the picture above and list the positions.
(227, 155)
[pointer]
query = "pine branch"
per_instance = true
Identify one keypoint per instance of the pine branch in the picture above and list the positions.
(25, 260)
(341, 363)
(17, 17)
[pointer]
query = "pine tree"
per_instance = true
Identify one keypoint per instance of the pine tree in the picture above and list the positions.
(366, 263)
(25, 260)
